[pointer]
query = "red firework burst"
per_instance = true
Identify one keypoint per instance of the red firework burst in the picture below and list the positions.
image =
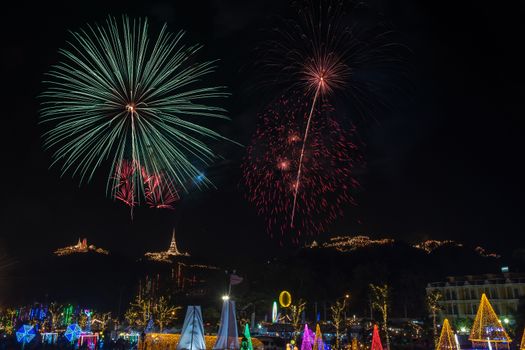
(329, 163)
(125, 189)
(318, 57)
(159, 192)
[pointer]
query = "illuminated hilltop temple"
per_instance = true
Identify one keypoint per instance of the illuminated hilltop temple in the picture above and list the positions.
(166, 256)
(80, 247)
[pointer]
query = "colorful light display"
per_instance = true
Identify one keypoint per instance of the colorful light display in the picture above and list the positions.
(73, 332)
(25, 334)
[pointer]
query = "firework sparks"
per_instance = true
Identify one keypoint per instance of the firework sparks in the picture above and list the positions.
(319, 57)
(121, 95)
(329, 161)
(159, 191)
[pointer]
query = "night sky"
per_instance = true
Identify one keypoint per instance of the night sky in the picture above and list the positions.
(444, 161)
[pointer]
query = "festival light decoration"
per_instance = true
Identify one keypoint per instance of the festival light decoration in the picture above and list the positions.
(163, 341)
(73, 332)
(49, 338)
(318, 340)
(25, 334)
(247, 336)
(522, 345)
(89, 340)
(121, 94)
(167, 256)
(487, 330)
(285, 299)
(308, 339)
(274, 312)
(80, 247)
(447, 339)
(376, 340)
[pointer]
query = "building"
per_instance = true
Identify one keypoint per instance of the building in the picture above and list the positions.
(461, 295)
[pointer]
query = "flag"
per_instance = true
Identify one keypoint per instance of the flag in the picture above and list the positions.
(234, 279)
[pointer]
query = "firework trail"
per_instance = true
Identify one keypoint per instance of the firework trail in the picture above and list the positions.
(320, 57)
(125, 98)
(329, 163)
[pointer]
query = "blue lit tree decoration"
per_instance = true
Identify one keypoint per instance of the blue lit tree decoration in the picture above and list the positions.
(73, 332)
(25, 334)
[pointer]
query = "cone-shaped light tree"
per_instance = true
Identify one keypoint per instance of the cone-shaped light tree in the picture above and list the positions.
(318, 341)
(522, 346)
(248, 337)
(376, 340)
(487, 331)
(308, 341)
(447, 341)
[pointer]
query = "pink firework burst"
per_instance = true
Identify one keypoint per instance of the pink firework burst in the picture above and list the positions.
(329, 162)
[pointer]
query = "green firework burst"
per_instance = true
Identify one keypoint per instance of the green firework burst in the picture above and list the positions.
(120, 94)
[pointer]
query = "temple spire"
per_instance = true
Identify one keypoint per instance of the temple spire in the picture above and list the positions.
(173, 245)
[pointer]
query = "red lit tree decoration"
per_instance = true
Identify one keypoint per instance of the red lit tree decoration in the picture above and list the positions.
(376, 341)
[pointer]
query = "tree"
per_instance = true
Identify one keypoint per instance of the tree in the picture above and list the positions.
(138, 312)
(380, 301)
(433, 307)
(337, 310)
(296, 311)
(164, 312)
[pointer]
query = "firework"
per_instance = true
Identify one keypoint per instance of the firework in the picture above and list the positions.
(159, 191)
(133, 101)
(319, 57)
(329, 162)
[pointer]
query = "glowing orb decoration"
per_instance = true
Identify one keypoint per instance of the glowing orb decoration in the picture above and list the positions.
(73, 332)
(285, 299)
(274, 312)
(25, 334)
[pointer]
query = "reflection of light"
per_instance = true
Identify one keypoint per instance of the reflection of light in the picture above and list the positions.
(225, 297)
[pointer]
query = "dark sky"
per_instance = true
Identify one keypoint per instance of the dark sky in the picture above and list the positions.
(444, 162)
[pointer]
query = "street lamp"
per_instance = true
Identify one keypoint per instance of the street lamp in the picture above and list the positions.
(225, 297)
